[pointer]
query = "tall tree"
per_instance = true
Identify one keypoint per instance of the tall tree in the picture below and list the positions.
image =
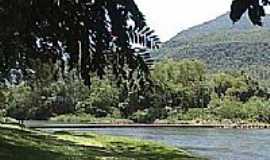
(91, 35)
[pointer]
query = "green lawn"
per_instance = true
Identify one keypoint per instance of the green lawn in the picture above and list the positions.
(19, 144)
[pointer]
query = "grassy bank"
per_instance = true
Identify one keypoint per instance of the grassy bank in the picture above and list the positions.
(87, 118)
(17, 144)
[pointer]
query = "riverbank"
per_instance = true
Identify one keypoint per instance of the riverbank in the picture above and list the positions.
(157, 124)
(16, 143)
(78, 126)
(118, 123)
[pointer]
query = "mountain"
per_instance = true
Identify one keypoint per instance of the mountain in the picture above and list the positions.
(224, 46)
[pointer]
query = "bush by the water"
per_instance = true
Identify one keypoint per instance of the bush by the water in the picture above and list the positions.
(251, 110)
(58, 98)
(179, 90)
(256, 109)
(87, 118)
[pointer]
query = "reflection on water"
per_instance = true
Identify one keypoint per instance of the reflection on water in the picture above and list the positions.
(217, 144)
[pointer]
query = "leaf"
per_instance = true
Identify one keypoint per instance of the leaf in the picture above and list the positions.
(265, 2)
(254, 8)
(238, 8)
(255, 14)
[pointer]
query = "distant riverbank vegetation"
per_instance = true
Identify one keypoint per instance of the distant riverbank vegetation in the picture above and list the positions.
(177, 91)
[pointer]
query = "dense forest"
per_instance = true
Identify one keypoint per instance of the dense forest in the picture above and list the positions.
(179, 90)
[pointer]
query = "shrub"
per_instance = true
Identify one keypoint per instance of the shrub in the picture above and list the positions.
(87, 118)
(183, 83)
(197, 113)
(145, 116)
(2, 104)
(73, 118)
(88, 106)
(101, 99)
(258, 109)
(20, 102)
(140, 116)
(231, 109)
(25, 102)
(252, 110)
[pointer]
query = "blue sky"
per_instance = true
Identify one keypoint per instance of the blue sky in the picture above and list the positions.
(168, 17)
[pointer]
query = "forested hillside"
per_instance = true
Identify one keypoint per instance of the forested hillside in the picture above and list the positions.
(224, 46)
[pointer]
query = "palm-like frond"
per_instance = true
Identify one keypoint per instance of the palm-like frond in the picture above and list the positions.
(143, 42)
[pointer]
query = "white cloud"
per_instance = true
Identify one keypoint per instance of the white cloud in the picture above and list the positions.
(168, 17)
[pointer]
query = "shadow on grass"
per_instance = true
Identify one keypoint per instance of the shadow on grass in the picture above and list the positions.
(18, 144)
(13, 152)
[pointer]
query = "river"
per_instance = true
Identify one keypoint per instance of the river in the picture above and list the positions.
(215, 144)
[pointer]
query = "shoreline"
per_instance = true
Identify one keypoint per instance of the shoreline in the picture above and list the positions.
(91, 126)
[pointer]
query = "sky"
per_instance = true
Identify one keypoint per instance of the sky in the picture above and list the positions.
(169, 17)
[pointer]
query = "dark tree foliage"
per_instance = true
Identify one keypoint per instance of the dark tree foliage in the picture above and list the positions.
(93, 35)
(255, 9)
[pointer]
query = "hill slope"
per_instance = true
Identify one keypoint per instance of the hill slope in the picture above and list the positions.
(224, 46)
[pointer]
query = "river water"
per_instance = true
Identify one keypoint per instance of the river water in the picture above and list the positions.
(215, 144)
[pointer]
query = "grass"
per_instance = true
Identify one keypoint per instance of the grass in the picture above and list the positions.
(18, 144)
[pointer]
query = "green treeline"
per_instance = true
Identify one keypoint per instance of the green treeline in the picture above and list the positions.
(178, 91)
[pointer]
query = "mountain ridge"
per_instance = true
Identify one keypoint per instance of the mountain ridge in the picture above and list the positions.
(224, 46)
(223, 22)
